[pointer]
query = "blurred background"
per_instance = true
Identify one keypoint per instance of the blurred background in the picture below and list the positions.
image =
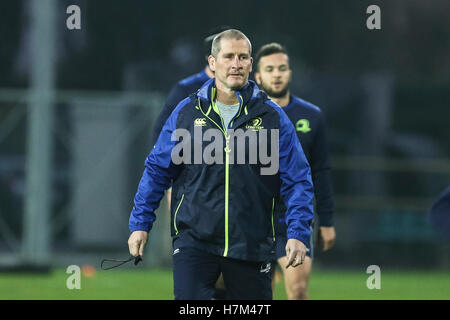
(77, 108)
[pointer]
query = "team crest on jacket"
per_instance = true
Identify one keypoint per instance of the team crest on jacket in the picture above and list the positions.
(200, 122)
(303, 126)
(254, 124)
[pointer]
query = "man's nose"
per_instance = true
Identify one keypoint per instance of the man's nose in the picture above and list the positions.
(276, 73)
(236, 62)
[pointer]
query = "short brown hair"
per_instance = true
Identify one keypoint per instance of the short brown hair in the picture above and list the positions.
(267, 50)
(233, 34)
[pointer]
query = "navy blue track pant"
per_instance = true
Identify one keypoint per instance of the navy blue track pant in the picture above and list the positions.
(195, 273)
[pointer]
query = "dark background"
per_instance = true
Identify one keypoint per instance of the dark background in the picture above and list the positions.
(385, 94)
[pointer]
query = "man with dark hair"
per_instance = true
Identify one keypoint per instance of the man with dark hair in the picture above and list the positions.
(273, 75)
(223, 218)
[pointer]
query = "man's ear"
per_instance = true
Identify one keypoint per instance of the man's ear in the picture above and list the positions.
(257, 77)
(212, 63)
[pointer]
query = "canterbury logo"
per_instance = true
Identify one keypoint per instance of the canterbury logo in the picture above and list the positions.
(302, 125)
(265, 267)
(200, 122)
(254, 124)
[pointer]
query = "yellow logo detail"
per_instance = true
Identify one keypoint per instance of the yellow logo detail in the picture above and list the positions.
(200, 122)
(254, 124)
(303, 126)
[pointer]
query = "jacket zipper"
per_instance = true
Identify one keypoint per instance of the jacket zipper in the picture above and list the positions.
(175, 215)
(227, 181)
(227, 190)
(227, 165)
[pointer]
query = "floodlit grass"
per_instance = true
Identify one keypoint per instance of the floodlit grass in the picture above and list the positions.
(157, 284)
(103, 285)
(350, 285)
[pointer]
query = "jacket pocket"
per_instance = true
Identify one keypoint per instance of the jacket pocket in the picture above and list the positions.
(175, 214)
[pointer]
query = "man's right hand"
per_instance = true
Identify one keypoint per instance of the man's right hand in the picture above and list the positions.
(136, 243)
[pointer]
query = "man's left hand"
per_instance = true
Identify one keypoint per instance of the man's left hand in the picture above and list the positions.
(295, 252)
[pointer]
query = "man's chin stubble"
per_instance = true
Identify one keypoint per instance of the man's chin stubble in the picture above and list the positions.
(273, 94)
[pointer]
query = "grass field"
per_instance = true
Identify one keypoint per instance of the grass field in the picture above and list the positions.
(157, 284)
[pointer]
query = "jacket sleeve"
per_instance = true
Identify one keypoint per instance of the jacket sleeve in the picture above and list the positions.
(321, 175)
(296, 182)
(176, 95)
(158, 173)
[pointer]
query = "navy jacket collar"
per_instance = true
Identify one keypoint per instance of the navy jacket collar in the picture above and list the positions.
(249, 92)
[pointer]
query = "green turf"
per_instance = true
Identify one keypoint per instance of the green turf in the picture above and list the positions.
(347, 285)
(121, 284)
(157, 284)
